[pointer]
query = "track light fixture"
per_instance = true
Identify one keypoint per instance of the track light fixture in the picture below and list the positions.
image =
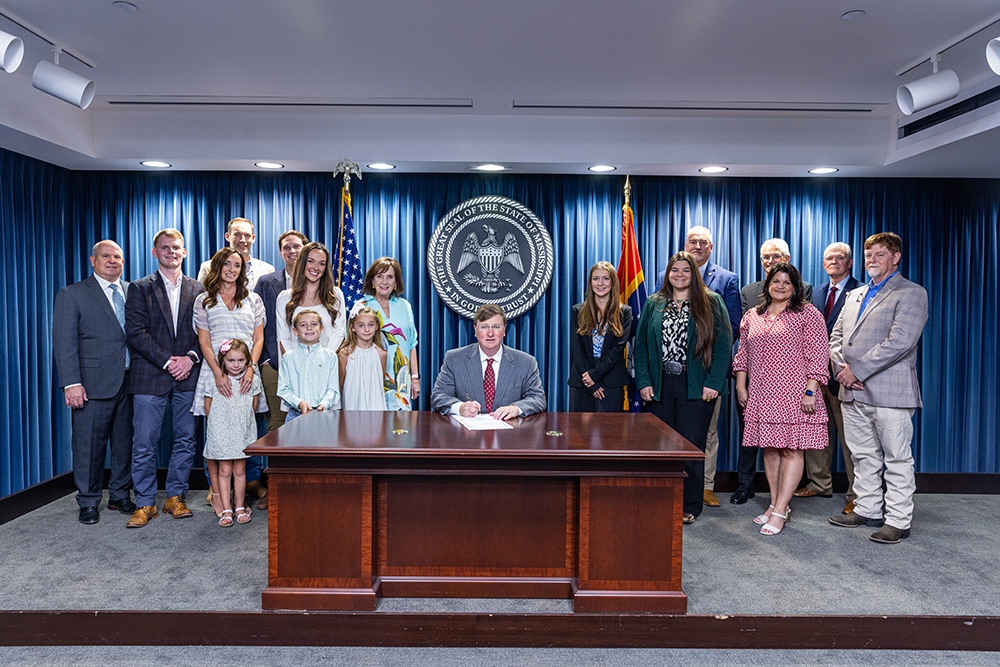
(926, 92)
(993, 54)
(11, 51)
(58, 82)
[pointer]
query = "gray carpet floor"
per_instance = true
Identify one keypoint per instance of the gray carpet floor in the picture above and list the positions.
(181, 656)
(950, 565)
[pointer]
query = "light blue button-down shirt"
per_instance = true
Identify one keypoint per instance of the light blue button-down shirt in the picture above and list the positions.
(309, 373)
(872, 291)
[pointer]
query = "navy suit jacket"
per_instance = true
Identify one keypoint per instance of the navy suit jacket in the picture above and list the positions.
(820, 295)
(609, 369)
(461, 375)
(268, 288)
(88, 344)
(724, 283)
(149, 329)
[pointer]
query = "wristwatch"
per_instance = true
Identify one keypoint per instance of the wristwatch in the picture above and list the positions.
(810, 392)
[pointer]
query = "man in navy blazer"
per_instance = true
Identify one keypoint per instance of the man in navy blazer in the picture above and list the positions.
(461, 385)
(290, 244)
(88, 344)
(829, 299)
(159, 327)
(727, 285)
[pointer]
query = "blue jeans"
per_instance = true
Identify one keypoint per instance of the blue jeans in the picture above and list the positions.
(292, 414)
(147, 420)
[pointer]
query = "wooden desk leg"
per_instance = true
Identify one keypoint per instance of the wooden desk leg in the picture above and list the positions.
(319, 542)
(630, 545)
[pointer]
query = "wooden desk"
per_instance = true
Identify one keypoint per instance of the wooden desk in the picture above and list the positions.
(411, 504)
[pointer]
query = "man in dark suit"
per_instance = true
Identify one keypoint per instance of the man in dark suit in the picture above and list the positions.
(268, 287)
(772, 252)
(488, 376)
(727, 285)
(829, 299)
(92, 359)
(166, 361)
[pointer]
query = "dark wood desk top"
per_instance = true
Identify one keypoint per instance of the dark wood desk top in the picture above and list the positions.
(561, 435)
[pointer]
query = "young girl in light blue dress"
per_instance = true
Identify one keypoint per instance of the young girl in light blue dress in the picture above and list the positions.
(362, 361)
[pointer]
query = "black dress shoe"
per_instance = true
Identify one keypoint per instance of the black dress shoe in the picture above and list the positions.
(125, 506)
(89, 515)
(743, 494)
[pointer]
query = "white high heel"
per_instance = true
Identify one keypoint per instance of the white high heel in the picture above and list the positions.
(761, 519)
(769, 530)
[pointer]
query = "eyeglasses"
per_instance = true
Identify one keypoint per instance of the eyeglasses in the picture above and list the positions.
(772, 257)
(490, 327)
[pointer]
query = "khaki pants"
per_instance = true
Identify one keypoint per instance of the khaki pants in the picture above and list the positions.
(819, 462)
(712, 445)
(269, 378)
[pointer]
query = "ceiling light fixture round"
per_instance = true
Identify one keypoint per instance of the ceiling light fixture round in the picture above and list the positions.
(853, 14)
(158, 164)
(491, 167)
(123, 6)
(824, 170)
(381, 166)
(713, 170)
(601, 168)
(269, 165)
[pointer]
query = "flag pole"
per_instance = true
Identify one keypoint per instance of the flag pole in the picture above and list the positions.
(347, 168)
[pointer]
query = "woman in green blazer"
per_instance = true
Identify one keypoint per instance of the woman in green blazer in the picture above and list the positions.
(682, 348)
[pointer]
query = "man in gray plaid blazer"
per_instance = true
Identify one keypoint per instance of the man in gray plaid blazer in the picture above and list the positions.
(874, 344)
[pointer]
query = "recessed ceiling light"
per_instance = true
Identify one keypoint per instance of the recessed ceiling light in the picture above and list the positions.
(713, 170)
(269, 165)
(155, 163)
(853, 14)
(602, 168)
(491, 167)
(823, 170)
(381, 166)
(123, 6)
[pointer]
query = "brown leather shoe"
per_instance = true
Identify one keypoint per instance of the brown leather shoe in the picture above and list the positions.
(255, 490)
(848, 508)
(262, 503)
(710, 499)
(142, 516)
(175, 507)
(806, 492)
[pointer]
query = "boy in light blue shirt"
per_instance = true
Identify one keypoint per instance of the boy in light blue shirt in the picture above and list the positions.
(308, 377)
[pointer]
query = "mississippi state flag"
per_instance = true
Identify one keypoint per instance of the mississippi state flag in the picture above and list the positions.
(633, 293)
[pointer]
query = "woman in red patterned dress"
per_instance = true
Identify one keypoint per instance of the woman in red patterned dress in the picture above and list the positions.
(785, 351)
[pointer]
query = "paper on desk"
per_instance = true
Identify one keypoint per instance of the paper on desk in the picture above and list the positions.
(482, 422)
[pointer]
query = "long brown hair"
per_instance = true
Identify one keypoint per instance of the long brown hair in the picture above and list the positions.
(325, 288)
(351, 339)
(698, 302)
(213, 281)
(612, 315)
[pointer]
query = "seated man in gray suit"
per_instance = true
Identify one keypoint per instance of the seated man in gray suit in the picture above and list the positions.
(489, 376)
(874, 344)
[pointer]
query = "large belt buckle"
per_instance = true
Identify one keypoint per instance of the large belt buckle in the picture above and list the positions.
(673, 367)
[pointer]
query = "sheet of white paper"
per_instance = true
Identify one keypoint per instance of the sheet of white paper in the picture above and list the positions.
(481, 423)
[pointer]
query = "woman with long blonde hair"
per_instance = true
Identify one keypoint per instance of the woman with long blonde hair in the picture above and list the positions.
(601, 327)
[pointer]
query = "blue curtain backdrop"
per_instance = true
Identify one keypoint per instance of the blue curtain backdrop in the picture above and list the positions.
(50, 218)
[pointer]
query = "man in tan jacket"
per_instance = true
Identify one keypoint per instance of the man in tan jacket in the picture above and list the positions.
(874, 344)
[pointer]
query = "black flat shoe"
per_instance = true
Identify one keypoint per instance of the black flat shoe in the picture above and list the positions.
(743, 494)
(125, 506)
(89, 515)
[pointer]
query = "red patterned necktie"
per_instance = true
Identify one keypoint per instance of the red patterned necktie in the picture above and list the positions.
(830, 301)
(489, 385)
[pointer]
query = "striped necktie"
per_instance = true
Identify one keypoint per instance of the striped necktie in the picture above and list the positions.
(119, 301)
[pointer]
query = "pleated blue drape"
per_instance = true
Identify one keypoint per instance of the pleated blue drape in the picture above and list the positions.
(50, 218)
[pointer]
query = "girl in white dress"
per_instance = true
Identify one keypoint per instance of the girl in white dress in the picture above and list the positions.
(231, 427)
(362, 361)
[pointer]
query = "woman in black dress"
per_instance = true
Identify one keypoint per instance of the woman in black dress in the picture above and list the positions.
(601, 327)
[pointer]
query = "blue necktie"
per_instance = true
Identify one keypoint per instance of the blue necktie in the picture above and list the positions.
(119, 301)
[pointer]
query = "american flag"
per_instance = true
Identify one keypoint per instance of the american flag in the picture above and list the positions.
(350, 268)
